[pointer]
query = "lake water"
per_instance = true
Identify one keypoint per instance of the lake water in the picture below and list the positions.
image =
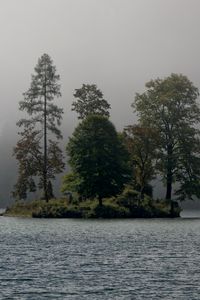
(97, 259)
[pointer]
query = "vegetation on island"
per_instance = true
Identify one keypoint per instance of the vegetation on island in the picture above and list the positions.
(123, 206)
(170, 109)
(98, 159)
(111, 172)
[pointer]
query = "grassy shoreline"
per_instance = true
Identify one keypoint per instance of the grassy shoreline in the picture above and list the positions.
(62, 208)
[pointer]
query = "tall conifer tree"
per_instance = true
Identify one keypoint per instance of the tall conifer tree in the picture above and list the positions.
(37, 154)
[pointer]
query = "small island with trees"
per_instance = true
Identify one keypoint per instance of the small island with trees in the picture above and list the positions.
(111, 172)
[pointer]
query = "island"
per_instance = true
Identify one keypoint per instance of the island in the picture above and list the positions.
(123, 206)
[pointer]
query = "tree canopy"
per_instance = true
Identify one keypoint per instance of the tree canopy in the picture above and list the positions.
(38, 155)
(98, 158)
(141, 144)
(169, 107)
(90, 101)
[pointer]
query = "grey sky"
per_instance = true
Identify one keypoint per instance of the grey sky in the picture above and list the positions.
(117, 44)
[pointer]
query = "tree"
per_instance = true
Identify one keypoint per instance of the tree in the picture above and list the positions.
(70, 183)
(90, 101)
(141, 145)
(50, 190)
(169, 107)
(98, 158)
(28, 153)
(37, 154)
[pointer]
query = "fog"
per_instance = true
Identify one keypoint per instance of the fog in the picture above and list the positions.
(117, 44)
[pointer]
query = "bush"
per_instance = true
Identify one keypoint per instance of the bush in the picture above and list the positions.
(56, 212)
(125, 205)
(128, 198)
(110, 211)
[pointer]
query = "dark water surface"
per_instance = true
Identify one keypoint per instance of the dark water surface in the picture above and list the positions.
(88, 259)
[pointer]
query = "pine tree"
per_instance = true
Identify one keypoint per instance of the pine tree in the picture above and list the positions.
(37, 154)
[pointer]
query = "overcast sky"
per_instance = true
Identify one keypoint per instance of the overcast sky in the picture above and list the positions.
(117, 44)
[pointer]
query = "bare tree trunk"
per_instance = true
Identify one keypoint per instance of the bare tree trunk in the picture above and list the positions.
(45, 146)
(141, 197)
(169, 187)
(100, 201)
(169, 179)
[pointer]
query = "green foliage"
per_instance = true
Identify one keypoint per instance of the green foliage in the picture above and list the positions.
(52, 211)
(98, 158)
(147, 208)
(129, 197)
(110, 211)
(142, 146)
(70, 182)
(38, 157)
(169, 108)
(44, 84)
(50, 190)
(90, 101)
(112, 208)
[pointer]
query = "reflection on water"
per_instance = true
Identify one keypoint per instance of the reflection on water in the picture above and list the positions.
(88, 259)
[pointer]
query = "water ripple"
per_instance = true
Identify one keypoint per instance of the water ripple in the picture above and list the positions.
(88, 259)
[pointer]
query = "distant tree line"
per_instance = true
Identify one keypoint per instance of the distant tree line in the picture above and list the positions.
(163, 143)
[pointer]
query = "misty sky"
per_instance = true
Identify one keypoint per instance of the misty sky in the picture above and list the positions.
(117, 44)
